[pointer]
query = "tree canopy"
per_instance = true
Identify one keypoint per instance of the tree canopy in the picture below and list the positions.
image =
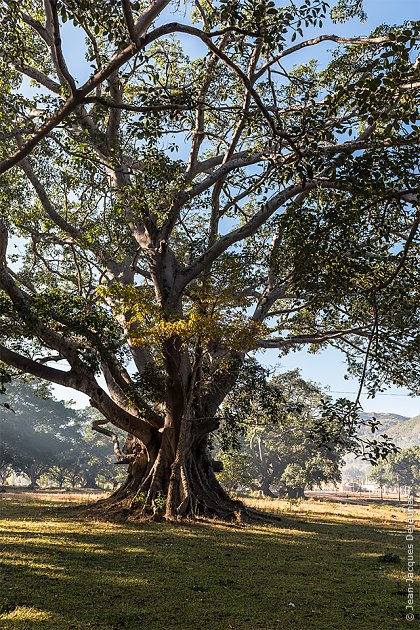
(195, 192)
(400, 469)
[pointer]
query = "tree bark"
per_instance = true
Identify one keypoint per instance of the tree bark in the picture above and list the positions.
(267, 479)
(33, 474)
(173, 474)
(265, 489)
(295, 493)
(90, 480)
(173, 482)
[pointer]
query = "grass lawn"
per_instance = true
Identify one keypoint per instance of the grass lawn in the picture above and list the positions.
(316, 569)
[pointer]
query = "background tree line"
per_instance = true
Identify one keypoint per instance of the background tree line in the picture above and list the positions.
(48, 440)
(281, 435)
(399, 469)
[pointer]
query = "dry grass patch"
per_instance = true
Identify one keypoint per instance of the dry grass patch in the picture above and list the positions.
(330, 509)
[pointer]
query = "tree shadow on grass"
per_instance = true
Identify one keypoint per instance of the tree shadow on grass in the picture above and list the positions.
(86, 573)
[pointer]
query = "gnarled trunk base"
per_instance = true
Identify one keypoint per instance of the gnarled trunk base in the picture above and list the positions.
(175, 488)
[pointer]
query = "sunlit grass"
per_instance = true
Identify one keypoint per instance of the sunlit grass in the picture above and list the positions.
(29, 615)
(318, 568)
(328, 509)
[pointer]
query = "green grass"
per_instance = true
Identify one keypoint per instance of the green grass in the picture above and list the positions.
(316, 569)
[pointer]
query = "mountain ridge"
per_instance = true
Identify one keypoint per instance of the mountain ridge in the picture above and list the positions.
(403, 431)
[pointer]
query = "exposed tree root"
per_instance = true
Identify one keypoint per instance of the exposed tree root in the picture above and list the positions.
(174, 489)
(118, 512)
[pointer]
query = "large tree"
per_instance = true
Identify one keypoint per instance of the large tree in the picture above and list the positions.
(189, 194)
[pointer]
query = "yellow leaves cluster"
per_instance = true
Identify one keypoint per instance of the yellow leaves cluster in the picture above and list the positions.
(238, 332)
(204, 322)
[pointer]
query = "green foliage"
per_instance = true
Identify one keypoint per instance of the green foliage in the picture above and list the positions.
(284, 430)
(340, 423)
(251, 385)
(272, 23)
(160, 501)
(381, 475)
(140, 499)
(282, 444)
(400, 469)
(346, 9)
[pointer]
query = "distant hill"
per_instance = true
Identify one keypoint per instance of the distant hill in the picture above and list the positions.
(387, 420)
(403, 431)
(406, 433)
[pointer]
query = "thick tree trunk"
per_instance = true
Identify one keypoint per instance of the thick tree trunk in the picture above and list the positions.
(266, 490)
(174, 485)
(90, 480)
(266, 481)
(4, 473)
(295, 493)
(173, 475)
(33, 475)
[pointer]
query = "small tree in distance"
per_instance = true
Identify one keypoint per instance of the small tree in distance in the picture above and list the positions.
(400, 469)
(279, 451)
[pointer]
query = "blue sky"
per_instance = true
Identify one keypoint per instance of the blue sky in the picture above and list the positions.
(378, 12)
(328, 367)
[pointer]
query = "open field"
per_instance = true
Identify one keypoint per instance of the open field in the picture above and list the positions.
(318, 568)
